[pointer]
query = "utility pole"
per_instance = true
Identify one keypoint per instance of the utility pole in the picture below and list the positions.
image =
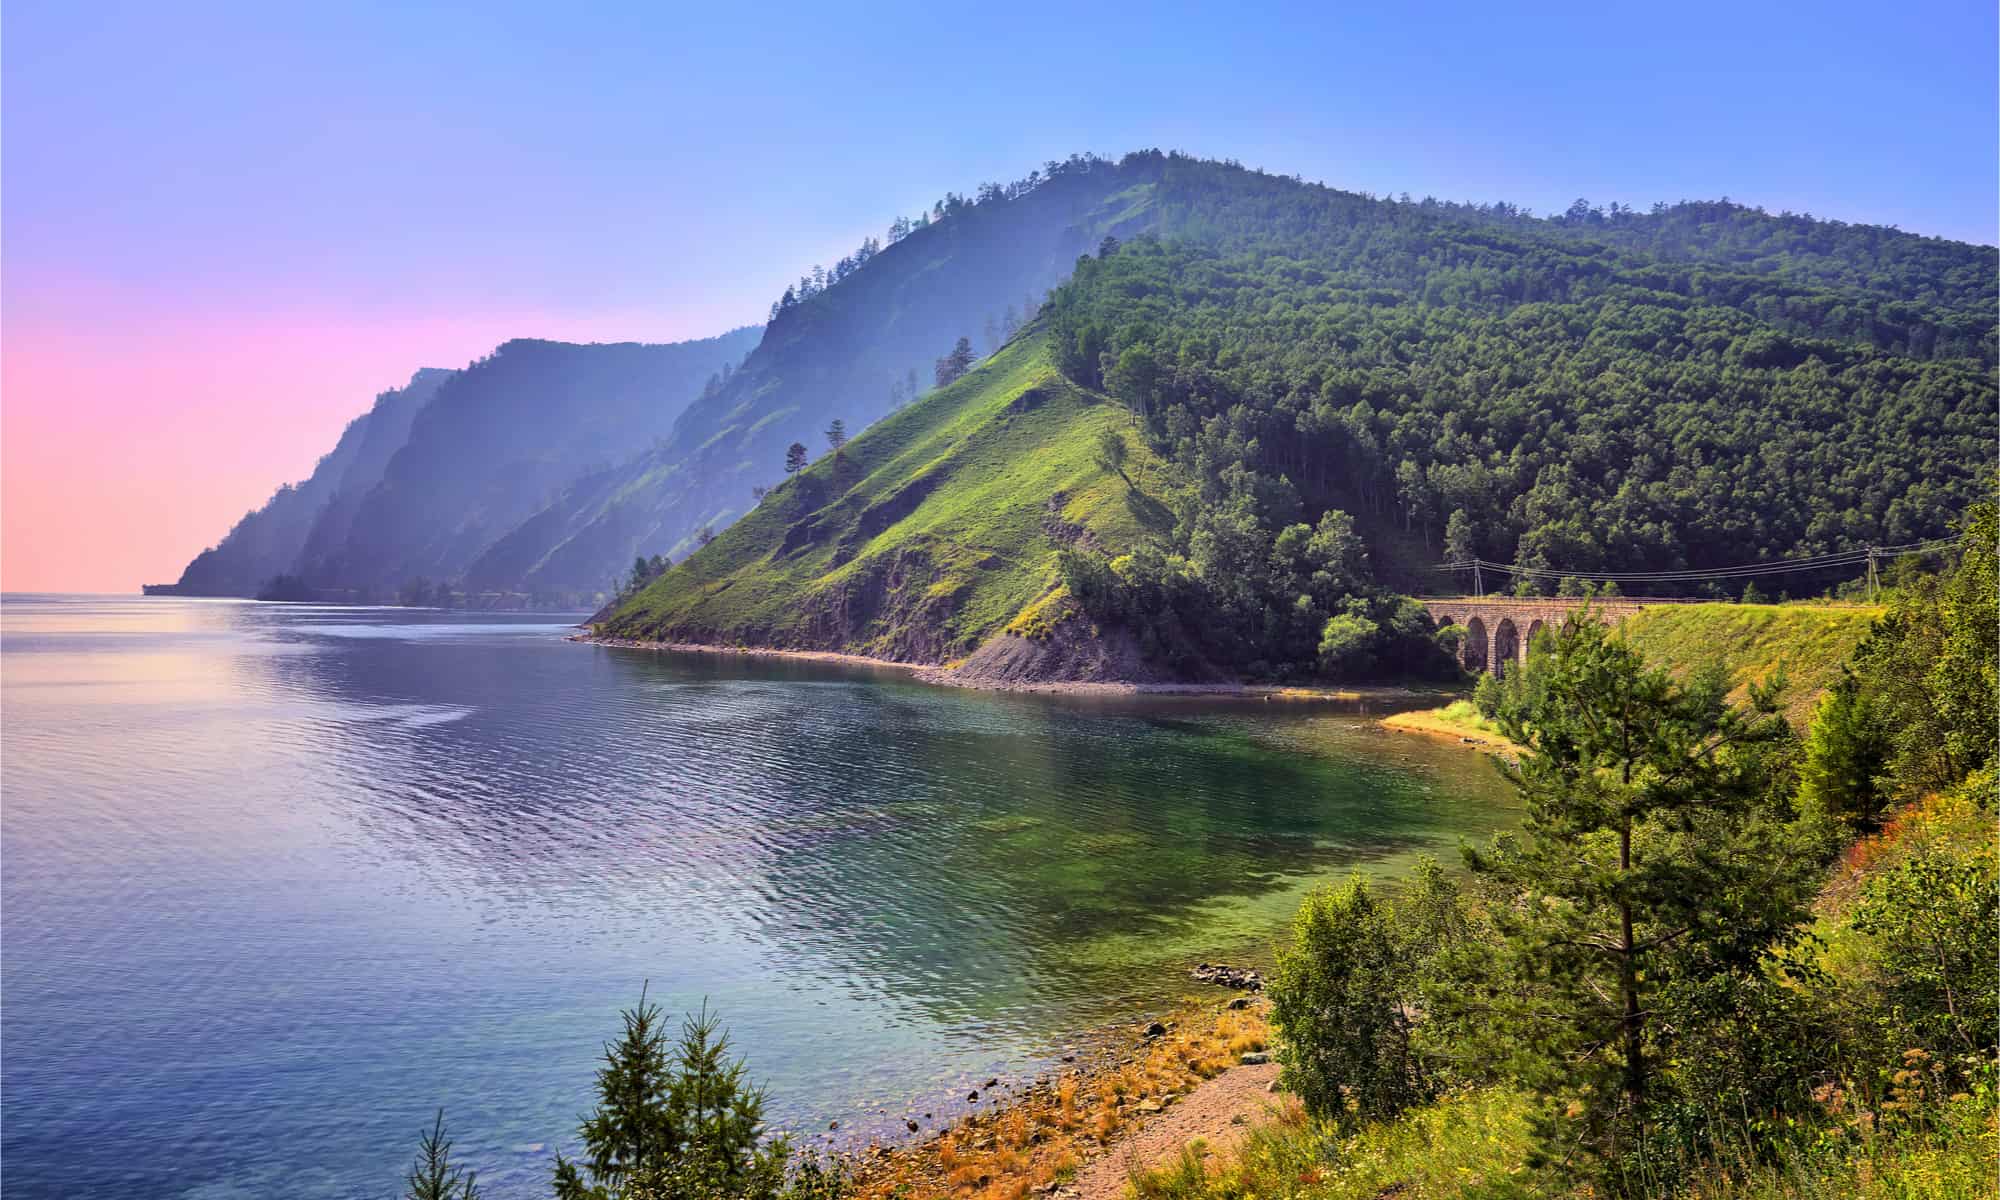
(1477, 588)
(1871, 574)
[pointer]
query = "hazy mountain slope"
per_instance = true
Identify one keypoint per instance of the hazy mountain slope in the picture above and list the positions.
(925, 537)
(1292, 357)
(838, 354)
(266, 542)
(499, 440)
(388, 428)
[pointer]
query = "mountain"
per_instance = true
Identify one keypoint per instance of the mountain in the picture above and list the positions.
(417, 487)
(850, 351)
(500, 440)
(921, 537)
(266, 542)
(387, 430)
(1318, 396)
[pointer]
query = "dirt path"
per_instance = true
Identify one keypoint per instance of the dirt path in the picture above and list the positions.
(1219, 1111)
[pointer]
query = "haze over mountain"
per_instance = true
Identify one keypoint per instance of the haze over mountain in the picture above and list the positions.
(1602, 389)
(437, 471)
(850, 351)
(1315, 396)
(267, 542)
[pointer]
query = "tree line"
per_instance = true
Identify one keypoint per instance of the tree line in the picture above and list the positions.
(1500, 387)
(1640, 959)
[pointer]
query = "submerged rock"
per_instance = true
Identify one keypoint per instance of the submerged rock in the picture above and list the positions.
(1223, 975)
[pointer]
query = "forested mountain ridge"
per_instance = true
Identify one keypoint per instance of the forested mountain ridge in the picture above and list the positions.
(266, 542)
(851, 347)
(1320, 366)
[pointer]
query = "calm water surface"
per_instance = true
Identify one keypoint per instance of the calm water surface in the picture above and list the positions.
(279, 880)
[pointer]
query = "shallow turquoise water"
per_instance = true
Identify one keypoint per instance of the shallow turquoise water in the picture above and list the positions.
(279, 880)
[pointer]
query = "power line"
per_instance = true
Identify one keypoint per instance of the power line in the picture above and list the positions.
(1816, 562)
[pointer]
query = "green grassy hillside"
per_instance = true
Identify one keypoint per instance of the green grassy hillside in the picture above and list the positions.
(1752, 641)
(929, 534)
(855, 350)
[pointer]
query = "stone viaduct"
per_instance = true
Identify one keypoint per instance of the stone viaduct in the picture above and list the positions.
(1499, 628)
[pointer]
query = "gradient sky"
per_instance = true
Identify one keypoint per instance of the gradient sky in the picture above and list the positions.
(226, 227)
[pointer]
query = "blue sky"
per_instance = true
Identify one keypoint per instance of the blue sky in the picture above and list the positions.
(310, 200)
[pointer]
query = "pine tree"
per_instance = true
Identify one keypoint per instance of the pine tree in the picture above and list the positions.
(795, 458)
(722, 1114)
(1648, 874)
(1845, 755)
(685, 1124)
(954, 365)
(432, 1176)
(634, 1124)
(836, 436)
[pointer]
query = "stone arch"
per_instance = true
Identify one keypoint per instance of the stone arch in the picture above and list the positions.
(1534, 631)
(1474, 654)
(1506, 645)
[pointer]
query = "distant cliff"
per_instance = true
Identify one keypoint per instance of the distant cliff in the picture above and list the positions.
(499, 442)
(266, 542)
(420, 484)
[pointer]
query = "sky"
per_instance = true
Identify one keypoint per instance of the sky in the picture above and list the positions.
(225, 227)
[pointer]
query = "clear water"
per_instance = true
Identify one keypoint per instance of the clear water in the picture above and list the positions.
(277, 881)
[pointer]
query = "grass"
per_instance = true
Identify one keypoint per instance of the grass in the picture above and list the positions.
(1475, 1143)
(934, 529)
(1949, 1156)
(1924, 1139)
(1460, 719)
(1470, 1143)
(1752, 641)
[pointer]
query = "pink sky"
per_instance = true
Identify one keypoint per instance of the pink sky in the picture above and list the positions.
(130, 441)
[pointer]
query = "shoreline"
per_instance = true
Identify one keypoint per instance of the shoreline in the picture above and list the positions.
(944, 676)
(824, 656)
(1074, 1131)
(1424, 722)
(1119, 1098)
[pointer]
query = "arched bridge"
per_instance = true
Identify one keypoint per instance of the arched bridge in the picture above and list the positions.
(1499, 628)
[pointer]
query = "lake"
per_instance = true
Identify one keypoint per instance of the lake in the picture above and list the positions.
(281, 880)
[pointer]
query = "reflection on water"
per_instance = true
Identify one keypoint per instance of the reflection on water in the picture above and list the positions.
(281, 879)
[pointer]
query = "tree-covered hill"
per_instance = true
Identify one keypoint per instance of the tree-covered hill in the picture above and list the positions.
(852, 345)
(1698, 386)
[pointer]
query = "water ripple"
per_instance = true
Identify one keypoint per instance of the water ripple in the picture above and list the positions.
(281, 879)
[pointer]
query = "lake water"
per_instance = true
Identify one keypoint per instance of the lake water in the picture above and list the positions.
(277, 881)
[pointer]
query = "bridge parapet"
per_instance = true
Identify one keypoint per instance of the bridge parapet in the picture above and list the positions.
(1498, 629)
